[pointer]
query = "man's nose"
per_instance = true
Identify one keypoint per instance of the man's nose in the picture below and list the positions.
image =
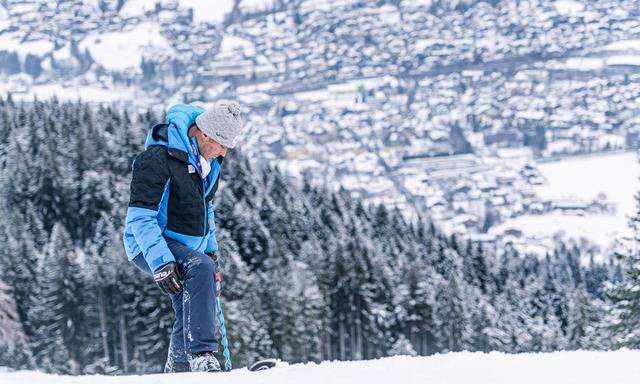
(223, 153)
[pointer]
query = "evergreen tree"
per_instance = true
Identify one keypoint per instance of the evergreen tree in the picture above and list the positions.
(626, 295)
(402, 346)
(415, 301)
(309, 274)
(103, 288)
(58, 314)
(247, 331)
(13, 342)
(451, 315)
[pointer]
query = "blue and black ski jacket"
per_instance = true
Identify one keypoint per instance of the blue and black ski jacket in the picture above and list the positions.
(169, 198)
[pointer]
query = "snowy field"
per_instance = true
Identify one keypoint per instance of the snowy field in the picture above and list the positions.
(581, 367)
(583, 178)
(117, 51)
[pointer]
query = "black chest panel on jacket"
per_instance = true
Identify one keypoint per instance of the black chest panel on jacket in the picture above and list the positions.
(186, 208)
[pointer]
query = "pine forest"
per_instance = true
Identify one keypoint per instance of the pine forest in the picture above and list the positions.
(309, 274)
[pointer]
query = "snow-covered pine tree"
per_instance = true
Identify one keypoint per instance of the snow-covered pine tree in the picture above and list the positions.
(295, 309)
(402, 347)
(375, 273)
(414, 299)
(626, 294)
(58, 314)
(451, 314)
(21, 237)
(475, 266)
(104, 256)
(14, 350)
(246, 328)
(142, 322)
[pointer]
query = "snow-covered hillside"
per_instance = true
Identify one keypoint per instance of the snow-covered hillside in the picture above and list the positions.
(582, 367)
(577, 180)
(409, 104)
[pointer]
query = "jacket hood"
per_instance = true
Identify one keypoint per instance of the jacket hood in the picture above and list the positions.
(179, 118)
(174, 136)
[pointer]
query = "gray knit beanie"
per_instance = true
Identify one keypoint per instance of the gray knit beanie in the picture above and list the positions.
(222, 123)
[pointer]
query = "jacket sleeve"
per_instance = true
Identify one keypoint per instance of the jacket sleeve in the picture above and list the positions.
(148, 185)
(212, 243)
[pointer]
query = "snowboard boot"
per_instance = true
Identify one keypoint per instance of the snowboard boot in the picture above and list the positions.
(204, 362)
(176, 366)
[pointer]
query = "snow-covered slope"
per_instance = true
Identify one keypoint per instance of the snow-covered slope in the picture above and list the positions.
(123, 50)
(582, 179)
(582, 367)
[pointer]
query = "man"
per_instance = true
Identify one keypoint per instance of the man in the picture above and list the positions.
(170, 231)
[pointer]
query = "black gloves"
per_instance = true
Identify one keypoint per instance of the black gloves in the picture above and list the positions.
(168, 279)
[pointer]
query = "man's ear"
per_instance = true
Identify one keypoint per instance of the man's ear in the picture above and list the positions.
(191, 132)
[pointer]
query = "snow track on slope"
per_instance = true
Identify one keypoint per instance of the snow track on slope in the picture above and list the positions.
(581, 367)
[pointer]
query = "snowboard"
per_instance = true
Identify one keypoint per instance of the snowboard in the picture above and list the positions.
(263, 365)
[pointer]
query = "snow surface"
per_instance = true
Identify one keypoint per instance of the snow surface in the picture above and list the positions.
(122, 50)
(596, 63)
(579, 64)
(89, 93)
(9, 42)
(623, 60)
(583, 178)
(578, 367)
(231, 43)
(208, 10)
(615, 174)
(63, 53)
(623, 45)
(568, 7)
(256, 5)
(597, 229)
(138, 8)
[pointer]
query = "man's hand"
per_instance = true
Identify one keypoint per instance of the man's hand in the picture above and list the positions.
(168, 279)
(218, 276)
(213, 255)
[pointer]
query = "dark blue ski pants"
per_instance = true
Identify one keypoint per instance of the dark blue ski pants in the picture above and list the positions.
(194, 307)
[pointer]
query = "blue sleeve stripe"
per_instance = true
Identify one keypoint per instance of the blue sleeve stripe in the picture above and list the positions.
(144, 225)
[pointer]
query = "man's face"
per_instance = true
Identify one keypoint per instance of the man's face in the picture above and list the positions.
(208, 147)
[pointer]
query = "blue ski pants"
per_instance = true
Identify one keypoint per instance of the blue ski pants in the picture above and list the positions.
(194, 308)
